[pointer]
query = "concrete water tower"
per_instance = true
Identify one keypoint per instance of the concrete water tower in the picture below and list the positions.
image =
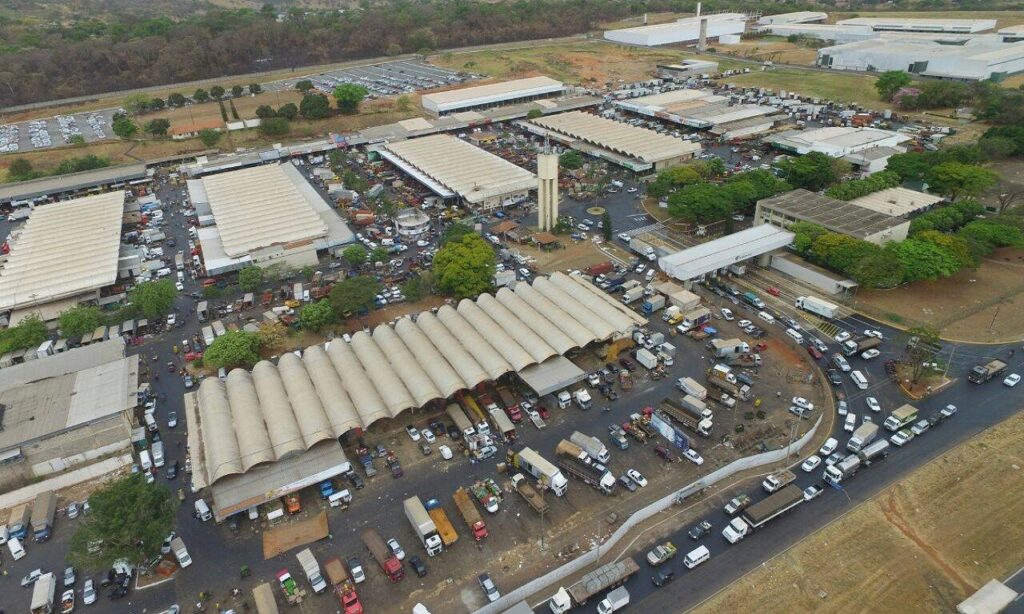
(547, 189)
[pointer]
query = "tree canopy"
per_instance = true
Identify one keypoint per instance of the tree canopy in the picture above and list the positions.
(158, 126)
(348, 97)
(955, 179)
(29, 333)
(235, 348)
(124, 127)
(570, 160)
(153, 298)
(250, 278)
(314, 106)
(889, 82)
(355, 255)
(209, 136)
(814, 171)
(464, 268)
(700, 202)
(354, 294)
(316, 316)
(80, 320)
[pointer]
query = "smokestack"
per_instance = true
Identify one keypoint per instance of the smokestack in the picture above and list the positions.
(702, 39)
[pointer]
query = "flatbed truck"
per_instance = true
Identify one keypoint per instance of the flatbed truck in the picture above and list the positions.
(601, 579)
(761, 513)
(467, 509)
(690, 419)
(982, 373)
(388, 562)
(444, 526)
(526, 490)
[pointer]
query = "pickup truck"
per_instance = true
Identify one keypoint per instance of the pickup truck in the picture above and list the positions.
(777, 480)
(737, 505)
(661, 554)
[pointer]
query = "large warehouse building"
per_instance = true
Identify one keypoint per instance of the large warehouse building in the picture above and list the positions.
(65, 410)
(62, 186)
(903, 24)
(637, 149)
(452, 168)
(263, 215)
(685, 30)
(719, 254)
(831, 214)
(259, 435)
(694, 108)
(975, 59)
(836, 141)
(491, 95)
(797, 17)
(63, 255)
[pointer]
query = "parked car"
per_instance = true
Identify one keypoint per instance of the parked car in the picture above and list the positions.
(828, 447)
(873, 404)
(396, 549)
(901, 438)
(417, 565)
(637, 477)
(488, 587)
(811, 464)
(627, 483)
(664, 453)
(812, 492)
(834, 378)
(699, 530)
(413, 432)
(663, 577)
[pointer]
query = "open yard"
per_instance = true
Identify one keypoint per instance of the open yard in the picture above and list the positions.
(774, 49)
(846, 87)
(924, 541)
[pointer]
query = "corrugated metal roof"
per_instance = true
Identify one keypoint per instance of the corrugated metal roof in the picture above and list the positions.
(639, 143)
(724, 251)
(467, 96)
(897, 202)
(46, 186)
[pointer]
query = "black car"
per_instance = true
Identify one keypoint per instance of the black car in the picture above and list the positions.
(699, 530)
(743, 378)
(354, 479)
(834, 377)
(663, 578)
(453, 432)
(418, 566)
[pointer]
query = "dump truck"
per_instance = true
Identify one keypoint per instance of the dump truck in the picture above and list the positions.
(467, 509)
(423, 525)
(533, 498)
(759, 514)
(312, 570)
(575, 462)
(862, 344)
(690, 386)
(343, 587)
(444, 526)
(291, 590)
(865, 434)
(901, 417)
(592, 446)
(44, 592)
(661, 554)
(843, 470)
(777, 480)
(387, 561)
(817, 306)
(601, 579)
(43, 511)
(690, 419)
(541, 469)
(982, 373)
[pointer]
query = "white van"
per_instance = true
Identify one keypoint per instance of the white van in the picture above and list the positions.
(203, 510)
(340, 499)
(767, 317)
(795, 336)
(14, 545)
(151, 424)
(859, 379)
(696, 557)
(145, 461)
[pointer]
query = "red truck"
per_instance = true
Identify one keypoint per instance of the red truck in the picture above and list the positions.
(601, 268)
(467, 509)
(388, 562)
(344, 589)
(511, 405)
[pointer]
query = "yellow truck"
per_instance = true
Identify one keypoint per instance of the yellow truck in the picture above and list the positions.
(444, 526)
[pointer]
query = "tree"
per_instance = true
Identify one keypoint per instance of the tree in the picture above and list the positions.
(570, 160)
(201, 95)
(274, 126)
(957, 247)
(223, 111)
(307, 272)
(856, 188)
(135, 103)
(464, 268)
(255, 88)
(349, 96)
(237, 90)
(265, 111)
(80, 320)
(156, 104)
(128, 519)
(455, 232)
(124, 127)
(316, 316)
(355, 255)
(153, 298)
(250, 278)
(235, 348)
(993, 234)
(700, 202)
(273, 336)
(889, 82)
(353, 294)
(814, 171)
(29, 333)
(234, 111)
(158, 126)
(806, 234)
(923, 260)
(881, 269)
(923, 343)
(209, 136)
(840, 252)
(288, 111)
(351, 180)
(379, 254)
(534, 114)
(418, 286)
(20, 169)
(1008, 193)
(176, 100)
(954, 179)
(216, 92)
(304, 85)
(314, 106)
(998, 147)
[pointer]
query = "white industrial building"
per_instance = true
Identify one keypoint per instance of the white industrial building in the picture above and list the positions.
(685, 30)
(1012, 34)
(824, 31)
(873, 159)
(904, 24)
(719, 254)
(836, 141)
(687, 69)
(975, 59)
(491, 95)
(263, 215)
(693, 108)
(897, 202)
(452, 168)
(637, 149)
(258, 435)
(831, 214)
(796, 17)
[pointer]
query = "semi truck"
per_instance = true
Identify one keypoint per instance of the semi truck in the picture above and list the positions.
(312, 570)
(582, 398)
(843, 470)
(44, 591)
(862, 344)
(982, 373)
(470, 515)
(903, 416)
(422, 525)
(541, 469)
(601, 579)
(778, 480)
(817, 306)
(874, 452)
(642, 248)
(19, 520)
(533, 498)
(592, 446)
(444, 526)
(43, 510)
(578, 463)
(761, 513)
(692, 419)
(864, 435)
(690, 386)
(342, 586)
(653, 303)
(459, 418)
(387, 561)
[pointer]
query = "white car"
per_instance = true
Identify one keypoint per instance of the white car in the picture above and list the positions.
(869, 354)
(873, 404)
(812, 492)
(422, 243)
(841, 336)
(640, 268)
(624, 237)
(414, 434)
(802, 402)
(89, 592)
(811, 464)
(692, 456)
(727, 314)
(901, 438)
(396, 549)
(172, 419)
(180, 287)
(637, 477)
(744, 323)
(171, 319)
(842, 408)
(767, 317)
(829, 447)
(1012, 380)
(428, 435)
(873, 333)
(446, 452)
(851, 423)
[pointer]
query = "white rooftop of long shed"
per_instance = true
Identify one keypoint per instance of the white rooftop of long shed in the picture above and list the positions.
(491, 93)
(64, 249)
(897, 202)
(640, 143)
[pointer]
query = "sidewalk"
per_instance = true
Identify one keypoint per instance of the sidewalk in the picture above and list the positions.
(64, 480)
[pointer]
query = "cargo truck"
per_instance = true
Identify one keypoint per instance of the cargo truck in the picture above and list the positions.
(202, 311)
(643, 249)
(614, 601)
(982, 373)
(874, 452)
(723, 348)
(817, 306)
(693, 319)
(601, 268)
(459, 418)
(43, 510)
(582, 398)
(533, 498)
(541, 469)
(475, 414)
(653, 303)
(342, 586)
(632, 295)
(511, 405)
(19, 520)
(647, 358)
(578, 464)
(179, 261)
(208, 336)
(158, 454)
(422, 525)
(688, 414)
(863, 344)
(387, 561)
(444, 526)
(903, 416)
(777, 480)
(592, 446)
(761, 513)
(690, 386)
(467, 509)
(673, 315)
(502, 425)
(312, 570)
(44, 591)
(865, 434)
(219, 330)
(752, 299)
(843, 470)
(601, 579)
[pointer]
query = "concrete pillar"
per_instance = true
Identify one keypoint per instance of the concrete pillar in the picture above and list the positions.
(547, 190)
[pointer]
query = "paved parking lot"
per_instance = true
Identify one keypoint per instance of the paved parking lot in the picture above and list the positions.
(56, 131)
(384, 79)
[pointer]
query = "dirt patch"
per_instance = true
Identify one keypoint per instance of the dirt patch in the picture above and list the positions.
(777, 51)
(923, 541)
(294, 534)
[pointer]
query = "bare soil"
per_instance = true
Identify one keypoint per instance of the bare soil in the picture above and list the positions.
(294, 533)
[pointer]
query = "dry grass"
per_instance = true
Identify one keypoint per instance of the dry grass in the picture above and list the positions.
(844, 87)
(778, 51)
(636, 22)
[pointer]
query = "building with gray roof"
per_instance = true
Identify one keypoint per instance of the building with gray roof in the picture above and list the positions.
(834, 215)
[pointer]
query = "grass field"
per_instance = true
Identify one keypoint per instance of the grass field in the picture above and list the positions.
(925, 541)
(832, 85)
(773, 49)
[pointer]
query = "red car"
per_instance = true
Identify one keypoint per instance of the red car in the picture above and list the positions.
(543, 411)
(813, 351)
(773, 291)
(665, 453)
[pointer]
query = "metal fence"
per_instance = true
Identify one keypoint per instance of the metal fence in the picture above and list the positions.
(592, 556)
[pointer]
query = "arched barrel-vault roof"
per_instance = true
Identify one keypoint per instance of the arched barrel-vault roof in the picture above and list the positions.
(485, 355)
(219, 444)
(601, 329)
(337, 404)
(416, 380)
(580, 334)
(312, 419)
(283, 428)
(364, 395)
(543, 327)
(459, 358)
(600, 307)
(495, 336)
(433, 362)
(633, 316)
(250, 429)
(516, 328)
(378, 369)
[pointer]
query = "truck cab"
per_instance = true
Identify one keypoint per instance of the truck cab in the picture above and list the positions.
(736, 530)
(582, 398)
(564, 399)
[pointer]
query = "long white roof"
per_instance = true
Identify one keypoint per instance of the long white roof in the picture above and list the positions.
(491, 93)
(640, 143)
(278, 411)
(64, 249)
